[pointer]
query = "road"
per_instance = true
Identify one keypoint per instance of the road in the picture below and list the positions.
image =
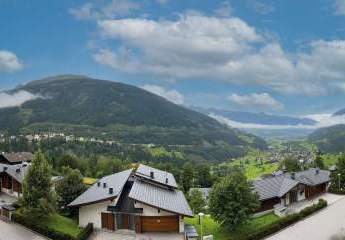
(15, 232)
(328, 224)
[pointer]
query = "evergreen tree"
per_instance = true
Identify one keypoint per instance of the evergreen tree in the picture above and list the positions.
(38, 198)
(187, 176)
(318, 162)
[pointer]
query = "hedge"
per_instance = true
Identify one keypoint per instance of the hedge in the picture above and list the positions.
(284, 222)
(337, 191)
(48, 232)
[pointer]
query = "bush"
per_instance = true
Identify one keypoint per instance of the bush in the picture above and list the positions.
(87, 231)
(285, 221)
(337, 191)
(48, 232)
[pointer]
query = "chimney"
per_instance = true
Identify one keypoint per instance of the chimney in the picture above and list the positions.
(111, 191)
(98, 184)
(293, 175)
(104, 185)
(152, 175)
(166, 180)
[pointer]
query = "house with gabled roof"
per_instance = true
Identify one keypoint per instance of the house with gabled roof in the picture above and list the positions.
(287, 188)
(142, 200)
(13, 168)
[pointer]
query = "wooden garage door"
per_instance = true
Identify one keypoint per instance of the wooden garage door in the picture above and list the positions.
(108, 221)
(160, 224)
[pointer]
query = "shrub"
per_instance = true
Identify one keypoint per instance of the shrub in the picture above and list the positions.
(48, 232)
(284, 222)
(336, 190)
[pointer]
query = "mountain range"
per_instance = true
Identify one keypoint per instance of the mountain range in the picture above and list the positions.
(257, 118)
(117, 111)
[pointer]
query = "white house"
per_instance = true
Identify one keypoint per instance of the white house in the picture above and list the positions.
(145, 200)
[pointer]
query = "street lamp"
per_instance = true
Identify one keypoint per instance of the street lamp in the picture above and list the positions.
(339, 181)
(201, 215)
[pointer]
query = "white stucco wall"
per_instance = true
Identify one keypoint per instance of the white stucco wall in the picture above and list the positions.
(300, 197)
(181, 223)
(92, 214)
(151, 211)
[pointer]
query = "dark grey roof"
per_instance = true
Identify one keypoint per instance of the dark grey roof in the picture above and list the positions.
(18, 157)
(17, 171)
(98, 193)
(313, 176)
(169, 200)
(159, 175)
(278, 186)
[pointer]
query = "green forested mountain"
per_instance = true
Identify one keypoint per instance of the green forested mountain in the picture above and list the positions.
(329, 139)
(117, 111)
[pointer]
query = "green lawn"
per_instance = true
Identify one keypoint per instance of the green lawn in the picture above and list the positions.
(62, 224)
(221, 233)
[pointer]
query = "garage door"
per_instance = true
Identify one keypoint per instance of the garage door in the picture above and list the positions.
(108, 221)
(160, 224)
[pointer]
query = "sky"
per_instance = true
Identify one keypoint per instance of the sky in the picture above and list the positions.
(283, 57)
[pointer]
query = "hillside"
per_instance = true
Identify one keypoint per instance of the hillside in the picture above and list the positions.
(329, 139)
(259, 118)
(117, 111)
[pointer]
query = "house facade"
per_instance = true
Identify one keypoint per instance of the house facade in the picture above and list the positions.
(13, 168)
(145, 200)
(288, 188)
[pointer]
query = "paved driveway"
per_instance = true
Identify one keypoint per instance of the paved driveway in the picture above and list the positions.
(11, 231)
(123, 235)
(328, 224)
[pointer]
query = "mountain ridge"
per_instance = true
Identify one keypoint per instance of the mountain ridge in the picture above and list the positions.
(124, 112)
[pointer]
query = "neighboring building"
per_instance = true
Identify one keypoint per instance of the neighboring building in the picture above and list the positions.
(145, 200)
(15, 158)
(288, 188)
(12, 177)
(204, 191)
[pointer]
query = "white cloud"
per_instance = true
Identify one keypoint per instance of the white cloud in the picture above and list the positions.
(104, 9)
(171, 95)
(16, 99)
(9, 62)
(261, 7)
(224, 10)
(340, 7)
(323, 120)
(256, 100)
(196, 46)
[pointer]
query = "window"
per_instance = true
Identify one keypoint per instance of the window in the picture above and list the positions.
(158, 210)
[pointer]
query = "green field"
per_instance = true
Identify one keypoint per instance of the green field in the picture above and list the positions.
(255, 164)
(210, 227)
(330, 159)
